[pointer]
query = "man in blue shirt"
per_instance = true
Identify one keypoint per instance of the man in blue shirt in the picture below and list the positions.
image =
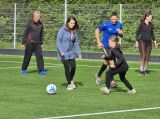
(110, 28)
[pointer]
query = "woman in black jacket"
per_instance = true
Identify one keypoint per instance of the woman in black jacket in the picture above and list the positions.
(145, 30)
(120, 66)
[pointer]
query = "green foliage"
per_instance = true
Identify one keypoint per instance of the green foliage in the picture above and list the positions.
(89, 17)
(84, 1)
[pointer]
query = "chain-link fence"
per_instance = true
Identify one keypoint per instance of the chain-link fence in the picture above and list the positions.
(15, 16)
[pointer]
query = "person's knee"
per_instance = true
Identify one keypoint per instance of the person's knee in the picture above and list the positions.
(73, 67)
(111, 62)
(122, 78)
(39, 55)
(106, 62)
(67, 67)
(108, 73)
(143, 58)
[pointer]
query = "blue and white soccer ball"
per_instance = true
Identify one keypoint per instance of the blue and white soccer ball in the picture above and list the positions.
(51, 89)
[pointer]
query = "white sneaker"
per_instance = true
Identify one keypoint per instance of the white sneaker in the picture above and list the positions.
(72, 83)
(70, 87)
(106, 90)
(131, 91)
(98, 79)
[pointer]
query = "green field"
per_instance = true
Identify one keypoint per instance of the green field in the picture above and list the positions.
(25, 97)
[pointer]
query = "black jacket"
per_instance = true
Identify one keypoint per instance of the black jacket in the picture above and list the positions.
(116, 55)
(145, 31)
(33, 32)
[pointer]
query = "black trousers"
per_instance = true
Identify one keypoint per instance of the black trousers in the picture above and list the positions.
(70, 68)
(29, 49)
(121, 70)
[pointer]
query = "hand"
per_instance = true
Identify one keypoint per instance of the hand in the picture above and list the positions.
(120, 32)
(41, 46)
(155, 44)
(137, 45)
(112, 65)
(22, 46)
(100, 45)
(80, 57)
(103, 56)
(62, 54)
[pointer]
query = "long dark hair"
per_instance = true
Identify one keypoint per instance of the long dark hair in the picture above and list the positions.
(144, 17)
(76, 24)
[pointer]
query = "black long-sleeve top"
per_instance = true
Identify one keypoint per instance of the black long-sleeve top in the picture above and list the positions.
(33, 32)
(145, 31)
(116, 55)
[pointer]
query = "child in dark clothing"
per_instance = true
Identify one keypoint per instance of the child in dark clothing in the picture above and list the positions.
(120, 66)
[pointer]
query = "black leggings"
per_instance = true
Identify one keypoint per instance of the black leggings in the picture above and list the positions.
(69, 73)
(121, 70)
(145, 51)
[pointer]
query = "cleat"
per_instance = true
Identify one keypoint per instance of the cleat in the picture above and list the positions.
(106, 90)
(142, 73)
(70, 87)
(73, 85)
(98, 79)
(43, 73)
(24, 72)
(131, 91)
(113, 84)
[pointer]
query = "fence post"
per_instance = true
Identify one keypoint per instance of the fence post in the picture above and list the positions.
(65, 19)
(120, 19)
(14, 25)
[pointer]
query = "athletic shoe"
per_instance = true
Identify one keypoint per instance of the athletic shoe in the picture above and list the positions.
(141, 73)
(98, 79)
(24, 72)
(73, 85)
(43, 73)
(113, 84)
(106, 90)
(131, 91)
(146, 73)
(70, 87)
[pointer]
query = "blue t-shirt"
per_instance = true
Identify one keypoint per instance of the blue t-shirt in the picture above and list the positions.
(109, 30)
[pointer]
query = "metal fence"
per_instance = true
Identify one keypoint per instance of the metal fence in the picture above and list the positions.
(15, 16)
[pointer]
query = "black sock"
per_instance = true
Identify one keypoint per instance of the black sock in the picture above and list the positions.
(103, 67)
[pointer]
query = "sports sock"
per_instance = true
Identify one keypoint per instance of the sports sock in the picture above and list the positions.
(103, 67)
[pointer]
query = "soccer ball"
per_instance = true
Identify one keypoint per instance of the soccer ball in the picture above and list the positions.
(51, 88)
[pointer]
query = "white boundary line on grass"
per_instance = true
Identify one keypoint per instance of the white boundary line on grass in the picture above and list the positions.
(89, 114)
(57, 65)
(62, 65)
(29, 62)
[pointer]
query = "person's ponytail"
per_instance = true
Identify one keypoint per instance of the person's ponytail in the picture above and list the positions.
(142, 19)
(120, 47)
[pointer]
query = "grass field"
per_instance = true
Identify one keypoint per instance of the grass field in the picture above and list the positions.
(25, 97)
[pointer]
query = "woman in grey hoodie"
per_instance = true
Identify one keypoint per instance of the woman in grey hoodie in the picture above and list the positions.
(66, 39)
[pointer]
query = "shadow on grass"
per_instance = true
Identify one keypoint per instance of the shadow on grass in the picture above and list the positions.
(116, 89)
(76, 83)
(149, 71)
(36, 71)
(52, 94)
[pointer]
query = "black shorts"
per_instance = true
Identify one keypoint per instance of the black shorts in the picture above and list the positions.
(107, 51)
